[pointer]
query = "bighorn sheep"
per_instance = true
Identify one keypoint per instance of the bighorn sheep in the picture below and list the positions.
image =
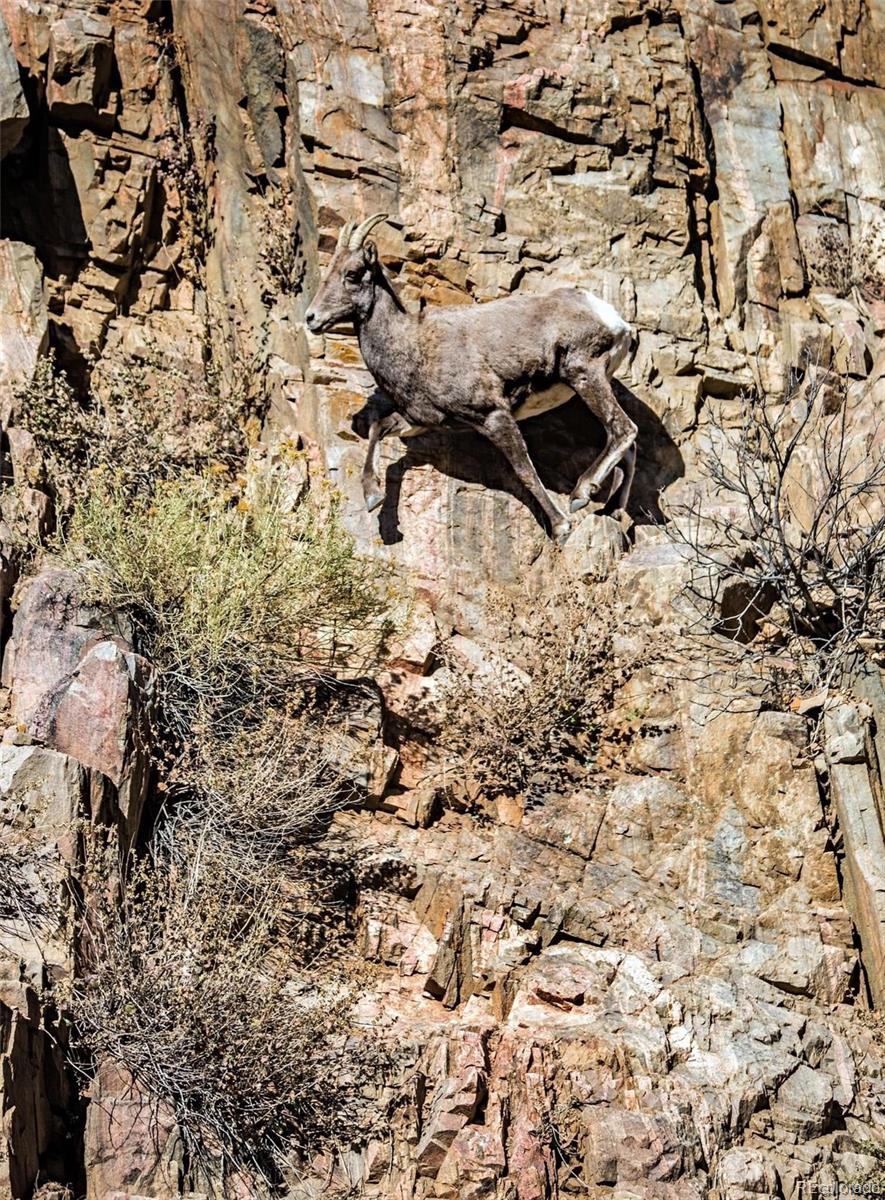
(483, 366)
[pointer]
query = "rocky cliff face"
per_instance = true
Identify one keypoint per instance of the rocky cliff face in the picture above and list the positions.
(653, 981)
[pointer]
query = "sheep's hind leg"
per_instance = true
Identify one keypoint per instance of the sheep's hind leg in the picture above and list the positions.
(592, 385)
(626, 487)
(502, 431)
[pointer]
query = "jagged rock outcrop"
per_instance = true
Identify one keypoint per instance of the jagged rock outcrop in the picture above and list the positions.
(653, 980)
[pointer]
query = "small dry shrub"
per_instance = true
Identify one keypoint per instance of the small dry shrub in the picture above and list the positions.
(267, 786)
(182, 983)
(158, 419)
(512, 727)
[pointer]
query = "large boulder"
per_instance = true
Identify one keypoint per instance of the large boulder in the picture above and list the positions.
(77, 686)
(53, 627)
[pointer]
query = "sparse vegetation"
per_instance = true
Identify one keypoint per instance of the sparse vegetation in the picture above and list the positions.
(789, 562)
(270, 785)
(252, 604)
(280, 242)
(510, 726)
(186, 426)
(183, 984)
(184, 167)
(250, 600)
(239, 602)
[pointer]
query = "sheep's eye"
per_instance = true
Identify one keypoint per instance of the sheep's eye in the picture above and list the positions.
(353, 276)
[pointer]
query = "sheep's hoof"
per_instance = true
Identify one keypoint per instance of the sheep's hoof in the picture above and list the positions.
(374, 501)
(623, 518)
(561, 530)
(577, 503)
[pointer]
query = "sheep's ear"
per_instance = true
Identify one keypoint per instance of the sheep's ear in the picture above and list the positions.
(370, 254)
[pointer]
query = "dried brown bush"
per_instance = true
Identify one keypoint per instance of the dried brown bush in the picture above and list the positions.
(264, 786)
(183, 983)
(508, 726)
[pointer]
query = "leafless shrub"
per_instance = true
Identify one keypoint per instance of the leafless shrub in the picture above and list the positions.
(512, 726)
(788, 554)
(183, 983)
(264, 786)
(54, 1191)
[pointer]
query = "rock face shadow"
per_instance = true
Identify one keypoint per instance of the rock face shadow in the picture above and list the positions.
(562, 444)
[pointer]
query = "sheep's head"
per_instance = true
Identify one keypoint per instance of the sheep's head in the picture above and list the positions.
(347, 291)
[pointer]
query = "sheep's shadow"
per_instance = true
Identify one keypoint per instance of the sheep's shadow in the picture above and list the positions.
(562, 444)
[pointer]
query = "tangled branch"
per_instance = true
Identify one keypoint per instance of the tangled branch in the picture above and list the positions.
(788, 558)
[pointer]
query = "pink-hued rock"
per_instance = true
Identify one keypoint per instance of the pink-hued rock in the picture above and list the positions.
(80, 689)
(647, 976)
(453, 1104)
(100, 715)
(52, 625)
(130, 1142)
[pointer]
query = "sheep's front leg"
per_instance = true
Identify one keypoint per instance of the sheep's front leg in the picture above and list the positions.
(372, 489)
(502, 431)
(378, 430)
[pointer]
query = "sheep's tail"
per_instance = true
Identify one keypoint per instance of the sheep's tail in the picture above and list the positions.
(622, 331)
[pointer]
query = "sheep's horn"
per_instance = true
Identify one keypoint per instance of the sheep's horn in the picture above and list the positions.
(359, 235)
(344, 234)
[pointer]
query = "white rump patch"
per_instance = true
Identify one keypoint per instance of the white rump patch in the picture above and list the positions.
(604, 312)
